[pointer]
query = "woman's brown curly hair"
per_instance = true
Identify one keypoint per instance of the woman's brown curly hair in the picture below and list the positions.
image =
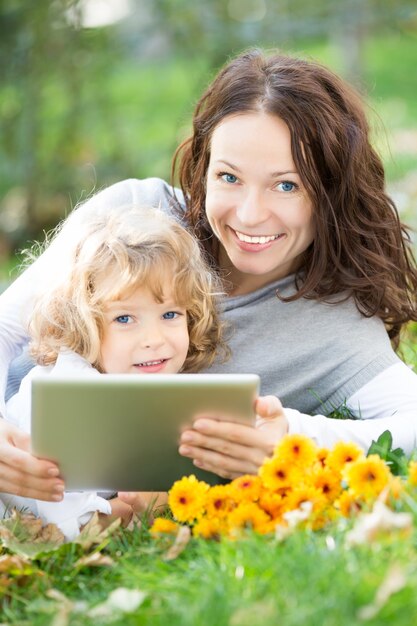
(361, 248)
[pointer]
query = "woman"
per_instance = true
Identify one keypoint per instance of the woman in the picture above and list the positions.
(284, 191)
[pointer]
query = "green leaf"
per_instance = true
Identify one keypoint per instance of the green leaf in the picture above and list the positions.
(395, 459)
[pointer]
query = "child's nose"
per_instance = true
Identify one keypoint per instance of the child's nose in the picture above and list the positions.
(151, 337)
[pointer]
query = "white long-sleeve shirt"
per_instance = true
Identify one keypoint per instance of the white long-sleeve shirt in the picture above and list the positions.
(76, 507)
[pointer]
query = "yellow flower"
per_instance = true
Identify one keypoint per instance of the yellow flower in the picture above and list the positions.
(395, 487)
(348, 504)
(187, 498)
(412, 473)
(296, 450)
(246, 487)
(326, 481)
(208, 528)
(247, 515)
(164, 526)
(272, 503)
(219, 501)
(321, 456)
(305, 493)
(367, 477)
(342, 453)
(278, 474)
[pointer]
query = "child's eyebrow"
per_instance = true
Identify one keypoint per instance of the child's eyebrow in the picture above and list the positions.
(118, 304)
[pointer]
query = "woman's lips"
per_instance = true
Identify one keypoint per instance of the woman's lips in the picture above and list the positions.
(255, 243)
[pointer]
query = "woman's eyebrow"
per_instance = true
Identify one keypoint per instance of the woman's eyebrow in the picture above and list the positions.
(233, 167)
(237, 169)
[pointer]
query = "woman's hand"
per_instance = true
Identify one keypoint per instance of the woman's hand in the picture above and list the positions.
(22, 474)
(230, 449)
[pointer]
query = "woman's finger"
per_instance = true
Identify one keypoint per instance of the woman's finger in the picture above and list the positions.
(225, 466)
(205, 430)
(229, 456)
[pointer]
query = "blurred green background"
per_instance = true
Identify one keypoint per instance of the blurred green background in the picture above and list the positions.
(94, 91)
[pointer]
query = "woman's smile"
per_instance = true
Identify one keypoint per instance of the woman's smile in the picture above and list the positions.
(256, 242)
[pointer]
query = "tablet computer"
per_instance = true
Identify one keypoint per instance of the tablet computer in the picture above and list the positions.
(121, 431)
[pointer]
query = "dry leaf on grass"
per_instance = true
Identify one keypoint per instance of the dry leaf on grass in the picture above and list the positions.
(181, 540)
(16, 569)
(394, 581)
(64, 607)
(25, 534)
(369, 526)
(95, 559)
(94, 534)
(119, 601)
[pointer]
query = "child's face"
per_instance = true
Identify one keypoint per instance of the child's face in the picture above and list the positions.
(143, 336)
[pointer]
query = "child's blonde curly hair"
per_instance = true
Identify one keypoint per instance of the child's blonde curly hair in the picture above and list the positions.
(113, 252)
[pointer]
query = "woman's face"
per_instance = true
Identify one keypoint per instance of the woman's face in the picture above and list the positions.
(256, 203)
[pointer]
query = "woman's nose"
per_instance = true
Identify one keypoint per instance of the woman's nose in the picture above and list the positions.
(253, 208)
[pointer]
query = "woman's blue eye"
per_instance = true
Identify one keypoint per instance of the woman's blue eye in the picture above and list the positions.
(123, 319)
(286, 186)
(229, 178)
(170, 315)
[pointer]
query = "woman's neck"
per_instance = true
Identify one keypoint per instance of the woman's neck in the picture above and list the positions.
(238, 283)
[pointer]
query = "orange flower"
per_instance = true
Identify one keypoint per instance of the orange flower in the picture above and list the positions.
(164, 526)
(395, 487)
(208, 528)
(367, 477)
(247, 515)
(278, 474)
(187, 498)
(412, 473)
(272, 503)
(219, 501)
(342, 453)
(327, 481)
(296, 450)
(305, 493)
(246, 487)
(321, 455)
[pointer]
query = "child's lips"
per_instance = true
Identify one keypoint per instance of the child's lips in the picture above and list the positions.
(151, 366)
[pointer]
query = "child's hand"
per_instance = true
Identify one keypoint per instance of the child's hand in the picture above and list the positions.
(143, 501)
(118, 509)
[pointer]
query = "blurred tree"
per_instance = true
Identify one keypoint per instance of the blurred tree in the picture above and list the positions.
(81, 107)
(45, 64)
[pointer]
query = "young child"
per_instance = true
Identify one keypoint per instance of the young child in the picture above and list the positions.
(136, 298)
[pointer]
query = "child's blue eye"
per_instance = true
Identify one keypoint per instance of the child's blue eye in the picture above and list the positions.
(286, 186)
(229, 178)
(170, 315)
(123, 319)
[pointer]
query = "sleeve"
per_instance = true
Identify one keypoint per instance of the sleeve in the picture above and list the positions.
(387, 402)
(16, 302)
(72, 512)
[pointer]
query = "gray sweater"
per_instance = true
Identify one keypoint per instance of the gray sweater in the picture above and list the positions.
(312, 355)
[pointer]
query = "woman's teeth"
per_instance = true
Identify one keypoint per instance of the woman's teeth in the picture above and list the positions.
(261, 239)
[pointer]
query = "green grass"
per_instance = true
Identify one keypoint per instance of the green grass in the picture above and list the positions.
(308, 579)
